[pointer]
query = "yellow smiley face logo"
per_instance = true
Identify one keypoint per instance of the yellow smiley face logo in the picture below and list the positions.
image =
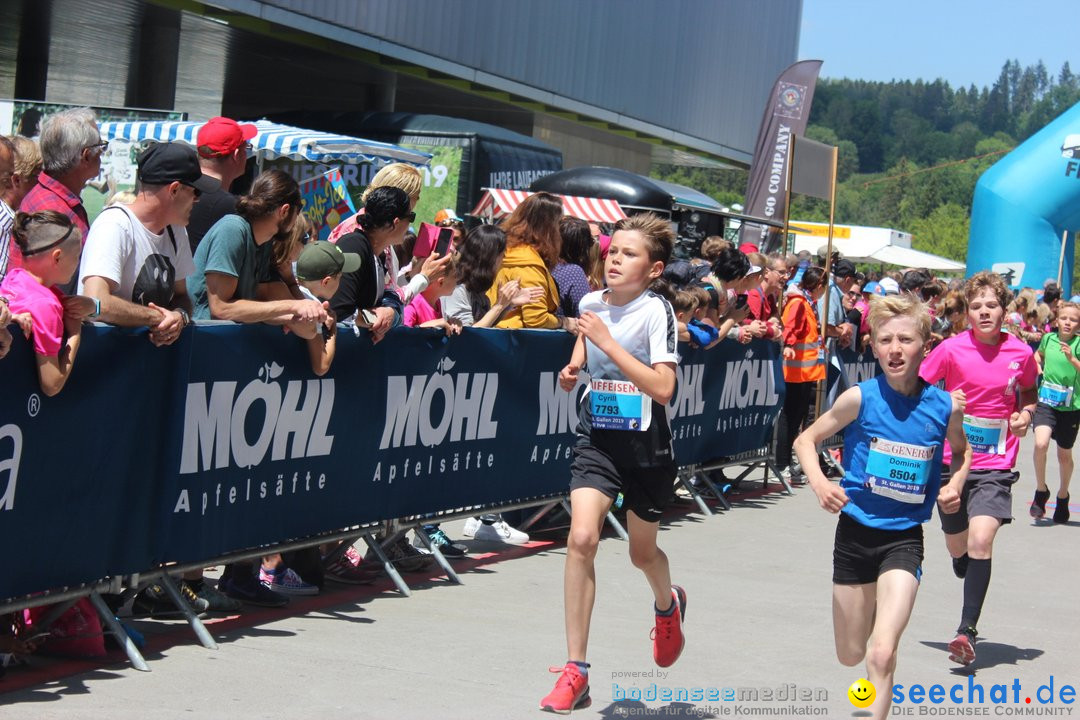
(861, 693)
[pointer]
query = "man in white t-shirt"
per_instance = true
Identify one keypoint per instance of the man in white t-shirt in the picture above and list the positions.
(137, 257)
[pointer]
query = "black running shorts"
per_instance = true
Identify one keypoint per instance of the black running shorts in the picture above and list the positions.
(861, 554)
(986, 492)
(646, 491)
(1063, 424)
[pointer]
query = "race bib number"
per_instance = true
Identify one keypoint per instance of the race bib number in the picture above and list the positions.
(618, 405)
(986, 435)
(899, 470)
(1055, 395)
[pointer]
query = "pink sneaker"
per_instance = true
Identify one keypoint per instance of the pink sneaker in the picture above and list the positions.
(286, 582)
(571, 691)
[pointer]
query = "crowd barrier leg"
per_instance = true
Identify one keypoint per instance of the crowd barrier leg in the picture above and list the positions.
(611, 519)
(711, 486)
(439, 557)
(686, 477)
(193, 620)
(769, 466)
(541, 512)
(117, 630)
(387, 565)
(619, 529)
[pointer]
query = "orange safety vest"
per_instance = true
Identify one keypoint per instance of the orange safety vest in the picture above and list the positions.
(808, 364)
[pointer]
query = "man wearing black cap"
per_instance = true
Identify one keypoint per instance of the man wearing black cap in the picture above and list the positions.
(836, 325)
(137, 257)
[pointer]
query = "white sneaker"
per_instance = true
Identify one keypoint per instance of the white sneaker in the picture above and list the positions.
(500, 532)
(471, 526)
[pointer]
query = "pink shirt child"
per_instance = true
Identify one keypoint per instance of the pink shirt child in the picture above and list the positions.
(990, 376)
(419, 311)
(25, 294)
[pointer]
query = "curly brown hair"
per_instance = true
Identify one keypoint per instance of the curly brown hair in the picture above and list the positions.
(535, 222)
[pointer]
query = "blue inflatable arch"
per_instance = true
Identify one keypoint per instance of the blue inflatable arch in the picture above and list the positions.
(1024, 203)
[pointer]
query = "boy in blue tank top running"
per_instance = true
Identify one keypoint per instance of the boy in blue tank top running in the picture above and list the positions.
(895, 426)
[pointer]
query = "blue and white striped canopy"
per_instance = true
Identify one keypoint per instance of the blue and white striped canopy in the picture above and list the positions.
(275, 141)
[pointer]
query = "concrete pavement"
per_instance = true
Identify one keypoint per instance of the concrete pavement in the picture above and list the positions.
(758, 622)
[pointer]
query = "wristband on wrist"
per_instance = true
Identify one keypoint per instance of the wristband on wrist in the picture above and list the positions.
(97, 308)
(184, 317)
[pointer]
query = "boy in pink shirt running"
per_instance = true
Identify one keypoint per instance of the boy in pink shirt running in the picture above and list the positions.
(991, 369)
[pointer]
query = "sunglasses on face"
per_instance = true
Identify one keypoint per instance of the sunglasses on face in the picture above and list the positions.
(194, 189)
(411, 217)
(100, 147)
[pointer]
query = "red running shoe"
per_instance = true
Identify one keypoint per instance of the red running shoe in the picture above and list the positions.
(667, 636)
(571, 691)
(962, 648)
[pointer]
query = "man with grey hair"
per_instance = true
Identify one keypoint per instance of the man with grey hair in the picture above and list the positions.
(71, 150)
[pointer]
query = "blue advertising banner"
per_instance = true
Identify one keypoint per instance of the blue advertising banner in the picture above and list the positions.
(856, 365)
(227, 440)
(727, 401)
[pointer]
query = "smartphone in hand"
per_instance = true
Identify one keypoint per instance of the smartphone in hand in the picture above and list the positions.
(446, 235)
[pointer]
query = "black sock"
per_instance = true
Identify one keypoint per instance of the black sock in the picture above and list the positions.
(976, 584)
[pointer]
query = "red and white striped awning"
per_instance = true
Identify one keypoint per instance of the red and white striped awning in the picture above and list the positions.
(497, 203)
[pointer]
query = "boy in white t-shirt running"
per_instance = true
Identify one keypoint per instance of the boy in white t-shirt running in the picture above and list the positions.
(623, 453)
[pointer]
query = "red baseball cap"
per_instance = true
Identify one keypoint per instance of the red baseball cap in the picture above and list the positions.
(748, 247)
(221, 136)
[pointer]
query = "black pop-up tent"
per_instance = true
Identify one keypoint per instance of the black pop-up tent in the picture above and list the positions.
(695, 214)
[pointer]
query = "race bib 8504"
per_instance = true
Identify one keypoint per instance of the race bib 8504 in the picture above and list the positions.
(899, 470)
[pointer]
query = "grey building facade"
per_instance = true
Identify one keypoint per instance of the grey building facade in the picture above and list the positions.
(610, 82)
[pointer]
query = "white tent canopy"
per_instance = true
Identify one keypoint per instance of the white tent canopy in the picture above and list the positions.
(275, 140)
(870, 245)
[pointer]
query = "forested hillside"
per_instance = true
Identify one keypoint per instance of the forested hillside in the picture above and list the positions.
(911, 152)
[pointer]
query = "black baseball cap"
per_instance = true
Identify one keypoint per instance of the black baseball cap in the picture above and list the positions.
(163, 163)
(844, 269)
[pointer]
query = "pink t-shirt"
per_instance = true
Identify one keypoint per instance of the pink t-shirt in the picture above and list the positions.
(25, 294)
(991, 376)
(345, 227)
(419, 311)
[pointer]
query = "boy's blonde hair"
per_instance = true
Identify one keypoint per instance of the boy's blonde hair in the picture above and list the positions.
(885, 308)
(1065, 304)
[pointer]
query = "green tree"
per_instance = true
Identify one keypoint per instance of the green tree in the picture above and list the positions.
(943, 232)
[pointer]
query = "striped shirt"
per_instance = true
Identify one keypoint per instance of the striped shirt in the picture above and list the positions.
(7, 221)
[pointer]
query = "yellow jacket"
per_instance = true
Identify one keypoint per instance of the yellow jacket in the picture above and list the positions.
(523, 263)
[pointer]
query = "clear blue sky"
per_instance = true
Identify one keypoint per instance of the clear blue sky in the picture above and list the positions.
(962, 41)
